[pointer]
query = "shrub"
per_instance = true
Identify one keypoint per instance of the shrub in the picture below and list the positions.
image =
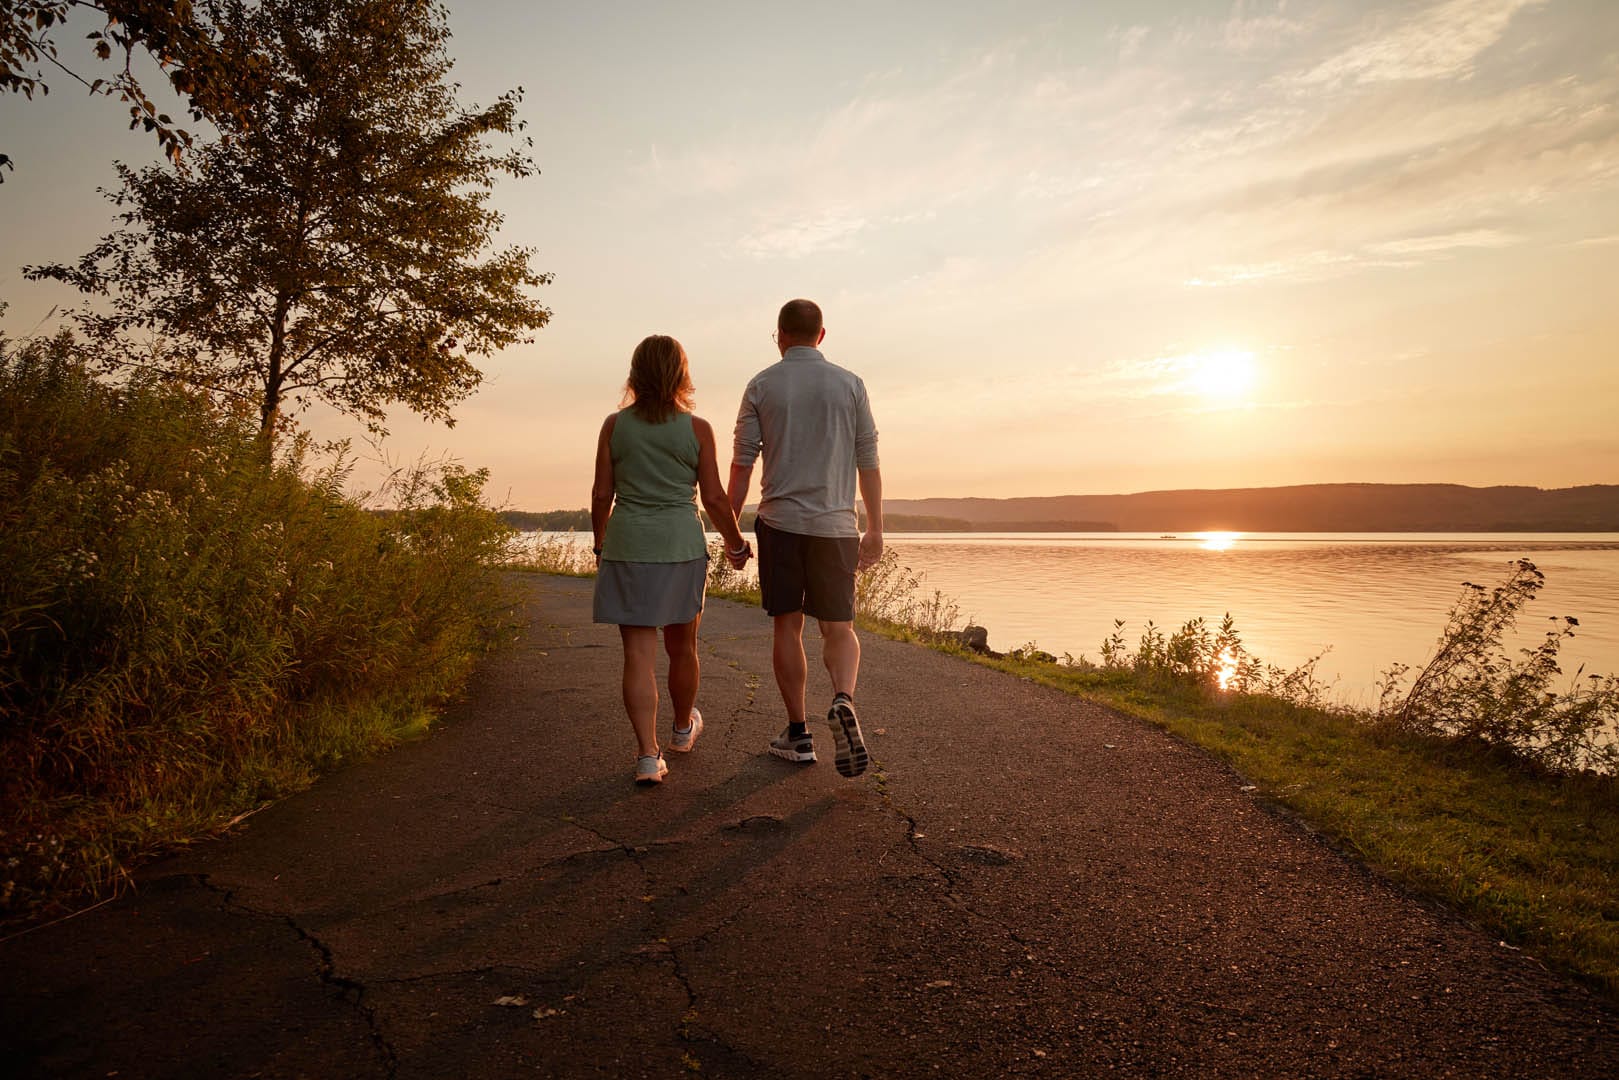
(1473, 688)
(549, 553)
(1193, 657)
(894, 594)
(188, 625)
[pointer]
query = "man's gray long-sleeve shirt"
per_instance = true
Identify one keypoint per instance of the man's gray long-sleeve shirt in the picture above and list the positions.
(812, 421)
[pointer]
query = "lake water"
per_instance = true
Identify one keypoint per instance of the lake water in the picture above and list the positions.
(1371, 599)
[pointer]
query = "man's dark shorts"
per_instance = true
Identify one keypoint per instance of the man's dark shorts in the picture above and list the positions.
(812, 574)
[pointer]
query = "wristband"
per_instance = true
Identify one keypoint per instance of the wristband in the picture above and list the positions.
(743, 550)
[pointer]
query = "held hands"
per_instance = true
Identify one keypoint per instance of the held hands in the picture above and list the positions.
(871, 549)
(739, 558)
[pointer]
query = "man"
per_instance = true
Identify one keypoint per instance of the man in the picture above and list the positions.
(812, 421)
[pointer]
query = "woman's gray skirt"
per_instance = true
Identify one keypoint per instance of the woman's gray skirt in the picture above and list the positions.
(649, 593)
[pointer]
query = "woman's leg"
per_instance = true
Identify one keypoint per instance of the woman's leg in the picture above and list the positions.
(685, 672)
(641, 685)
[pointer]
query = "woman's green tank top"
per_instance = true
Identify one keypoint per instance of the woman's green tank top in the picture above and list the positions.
(654, 515)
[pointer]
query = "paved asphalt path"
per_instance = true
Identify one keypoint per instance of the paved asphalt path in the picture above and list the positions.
(1023, 884)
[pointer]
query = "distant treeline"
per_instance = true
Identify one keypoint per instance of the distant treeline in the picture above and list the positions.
(547, 520)
(579, 521)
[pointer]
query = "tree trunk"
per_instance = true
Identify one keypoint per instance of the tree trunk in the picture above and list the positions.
(270, 404)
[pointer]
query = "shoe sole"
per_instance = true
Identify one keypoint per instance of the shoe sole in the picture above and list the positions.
(851, 757)
(696, 730)
(793, 755)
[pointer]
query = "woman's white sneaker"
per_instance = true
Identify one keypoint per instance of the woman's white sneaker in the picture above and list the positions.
(683, 741)
(650, 769)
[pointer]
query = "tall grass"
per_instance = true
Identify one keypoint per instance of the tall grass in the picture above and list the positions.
(188, 627)
(1473, 688)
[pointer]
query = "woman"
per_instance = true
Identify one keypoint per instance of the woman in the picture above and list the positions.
(651, 555)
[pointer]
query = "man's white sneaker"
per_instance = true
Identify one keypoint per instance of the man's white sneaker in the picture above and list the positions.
(790, 747)
(851, 748)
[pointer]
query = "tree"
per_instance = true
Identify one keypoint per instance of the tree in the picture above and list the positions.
(217, 76)
(336, 248)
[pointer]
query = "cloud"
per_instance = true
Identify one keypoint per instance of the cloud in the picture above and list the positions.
(1309, 266)
(1244, 31)
(1442, 42)
(1204, 159)
(1320, 264)
(1129, 41)
(794, 240)
(1440, 245)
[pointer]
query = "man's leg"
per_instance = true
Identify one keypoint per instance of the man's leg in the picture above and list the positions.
(840, 651)
(830, 596)
(791, 666)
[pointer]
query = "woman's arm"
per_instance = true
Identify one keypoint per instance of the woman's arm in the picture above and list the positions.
(601, 491)
(715, 501)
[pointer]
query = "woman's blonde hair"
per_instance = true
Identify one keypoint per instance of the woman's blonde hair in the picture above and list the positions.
(660, 380)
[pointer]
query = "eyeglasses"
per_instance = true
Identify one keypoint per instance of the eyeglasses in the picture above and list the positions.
(775, 337)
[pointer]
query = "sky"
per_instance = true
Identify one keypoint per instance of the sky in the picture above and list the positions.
(1071, 248)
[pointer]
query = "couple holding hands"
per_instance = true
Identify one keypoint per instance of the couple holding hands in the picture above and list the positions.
(811, 422)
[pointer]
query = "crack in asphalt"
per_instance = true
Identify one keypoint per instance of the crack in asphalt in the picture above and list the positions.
(951, 880)
(687, 1029)
(350, 990)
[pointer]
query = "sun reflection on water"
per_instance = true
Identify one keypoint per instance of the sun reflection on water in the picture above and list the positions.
(1217, 540)
(1228, 668)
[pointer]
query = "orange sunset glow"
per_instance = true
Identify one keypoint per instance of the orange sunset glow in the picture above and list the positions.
(1071, 248)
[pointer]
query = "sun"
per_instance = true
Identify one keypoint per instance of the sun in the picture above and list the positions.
(1222, 374)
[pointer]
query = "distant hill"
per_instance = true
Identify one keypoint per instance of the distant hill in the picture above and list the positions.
(1305, 508)
(579, 521)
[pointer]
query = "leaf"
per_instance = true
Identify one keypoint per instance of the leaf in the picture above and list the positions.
(510, 1001)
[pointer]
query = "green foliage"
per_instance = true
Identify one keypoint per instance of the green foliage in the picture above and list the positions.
(339, 247)
(555, 555)
(186, 629)
(1473, 689)
(726, 582)
(218, 75)
(1211, 663)
(894, 594)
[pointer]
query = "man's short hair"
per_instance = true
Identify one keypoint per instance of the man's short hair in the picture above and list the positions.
(800, 320)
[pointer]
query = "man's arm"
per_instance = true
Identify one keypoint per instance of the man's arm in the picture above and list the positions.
(737, 489)
(871, 493)
(871, 478)
(745, 446)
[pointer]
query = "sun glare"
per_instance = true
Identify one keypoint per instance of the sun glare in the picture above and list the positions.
(1222, 374)
(1217, 540)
